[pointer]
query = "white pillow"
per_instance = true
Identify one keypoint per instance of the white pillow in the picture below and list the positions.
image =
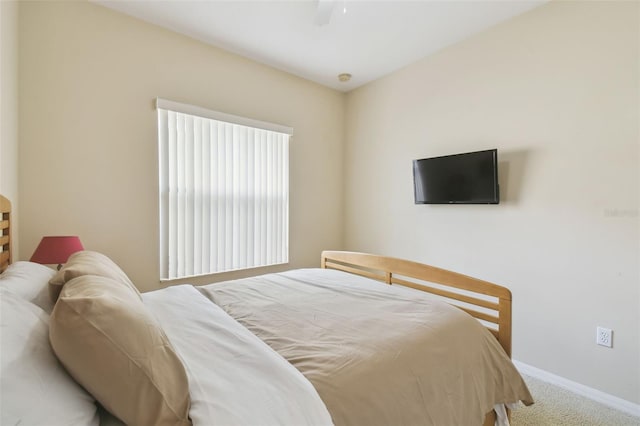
(34, 388)
(29, 281)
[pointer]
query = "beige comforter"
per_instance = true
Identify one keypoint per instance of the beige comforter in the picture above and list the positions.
(376, 354)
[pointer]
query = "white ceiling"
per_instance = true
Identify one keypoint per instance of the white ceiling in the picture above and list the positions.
(373, 38)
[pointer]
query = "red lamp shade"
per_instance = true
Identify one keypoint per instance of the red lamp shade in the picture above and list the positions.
(52, 250)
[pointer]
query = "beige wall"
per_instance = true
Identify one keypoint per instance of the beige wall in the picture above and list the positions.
(556, 91)
(88, 154)
(9, 107)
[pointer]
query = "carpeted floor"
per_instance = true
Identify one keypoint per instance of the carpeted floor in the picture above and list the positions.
(558, 407)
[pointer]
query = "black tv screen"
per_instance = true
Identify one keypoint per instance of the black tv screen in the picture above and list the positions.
(470, 178)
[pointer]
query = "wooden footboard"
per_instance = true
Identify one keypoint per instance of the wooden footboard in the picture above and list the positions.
(487, 302)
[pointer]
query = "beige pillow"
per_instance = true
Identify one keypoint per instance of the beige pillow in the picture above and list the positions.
(88, 263)
(113, 346)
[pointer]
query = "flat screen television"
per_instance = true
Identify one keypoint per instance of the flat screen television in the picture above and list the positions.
(469, 178)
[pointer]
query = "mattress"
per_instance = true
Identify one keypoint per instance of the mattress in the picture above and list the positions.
(376, 354)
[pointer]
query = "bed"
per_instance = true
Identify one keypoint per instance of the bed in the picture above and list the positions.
(351, 342)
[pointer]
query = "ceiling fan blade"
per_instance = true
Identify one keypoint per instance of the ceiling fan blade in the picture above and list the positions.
(323, 13)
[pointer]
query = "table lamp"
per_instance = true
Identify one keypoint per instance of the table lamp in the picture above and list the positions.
(52, 250)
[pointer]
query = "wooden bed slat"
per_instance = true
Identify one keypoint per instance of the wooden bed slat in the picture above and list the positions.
(448, 294)
(480, 315)
(4, 240)
(4, 224)
(356, 271)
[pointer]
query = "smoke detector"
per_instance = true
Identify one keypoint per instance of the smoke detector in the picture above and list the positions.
(344, 77)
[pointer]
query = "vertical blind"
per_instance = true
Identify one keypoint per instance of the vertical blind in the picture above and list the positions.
(224, 191)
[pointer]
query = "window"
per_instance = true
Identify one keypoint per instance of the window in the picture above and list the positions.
(224, 191)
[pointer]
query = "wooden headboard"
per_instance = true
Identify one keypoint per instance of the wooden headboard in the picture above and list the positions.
(5, 237)
(487, 302)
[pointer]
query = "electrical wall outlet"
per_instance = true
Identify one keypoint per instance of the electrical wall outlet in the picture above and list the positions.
(604, 337)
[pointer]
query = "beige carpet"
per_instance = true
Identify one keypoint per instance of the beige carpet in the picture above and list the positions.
(558, 407)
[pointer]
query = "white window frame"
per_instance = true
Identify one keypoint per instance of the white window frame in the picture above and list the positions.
(200, 151)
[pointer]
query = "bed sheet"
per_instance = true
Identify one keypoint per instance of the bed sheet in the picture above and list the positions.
(234, 377)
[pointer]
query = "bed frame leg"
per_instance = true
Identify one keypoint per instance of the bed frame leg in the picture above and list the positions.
(490, 418)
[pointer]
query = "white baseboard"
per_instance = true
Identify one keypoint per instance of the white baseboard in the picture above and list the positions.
(577, 388)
